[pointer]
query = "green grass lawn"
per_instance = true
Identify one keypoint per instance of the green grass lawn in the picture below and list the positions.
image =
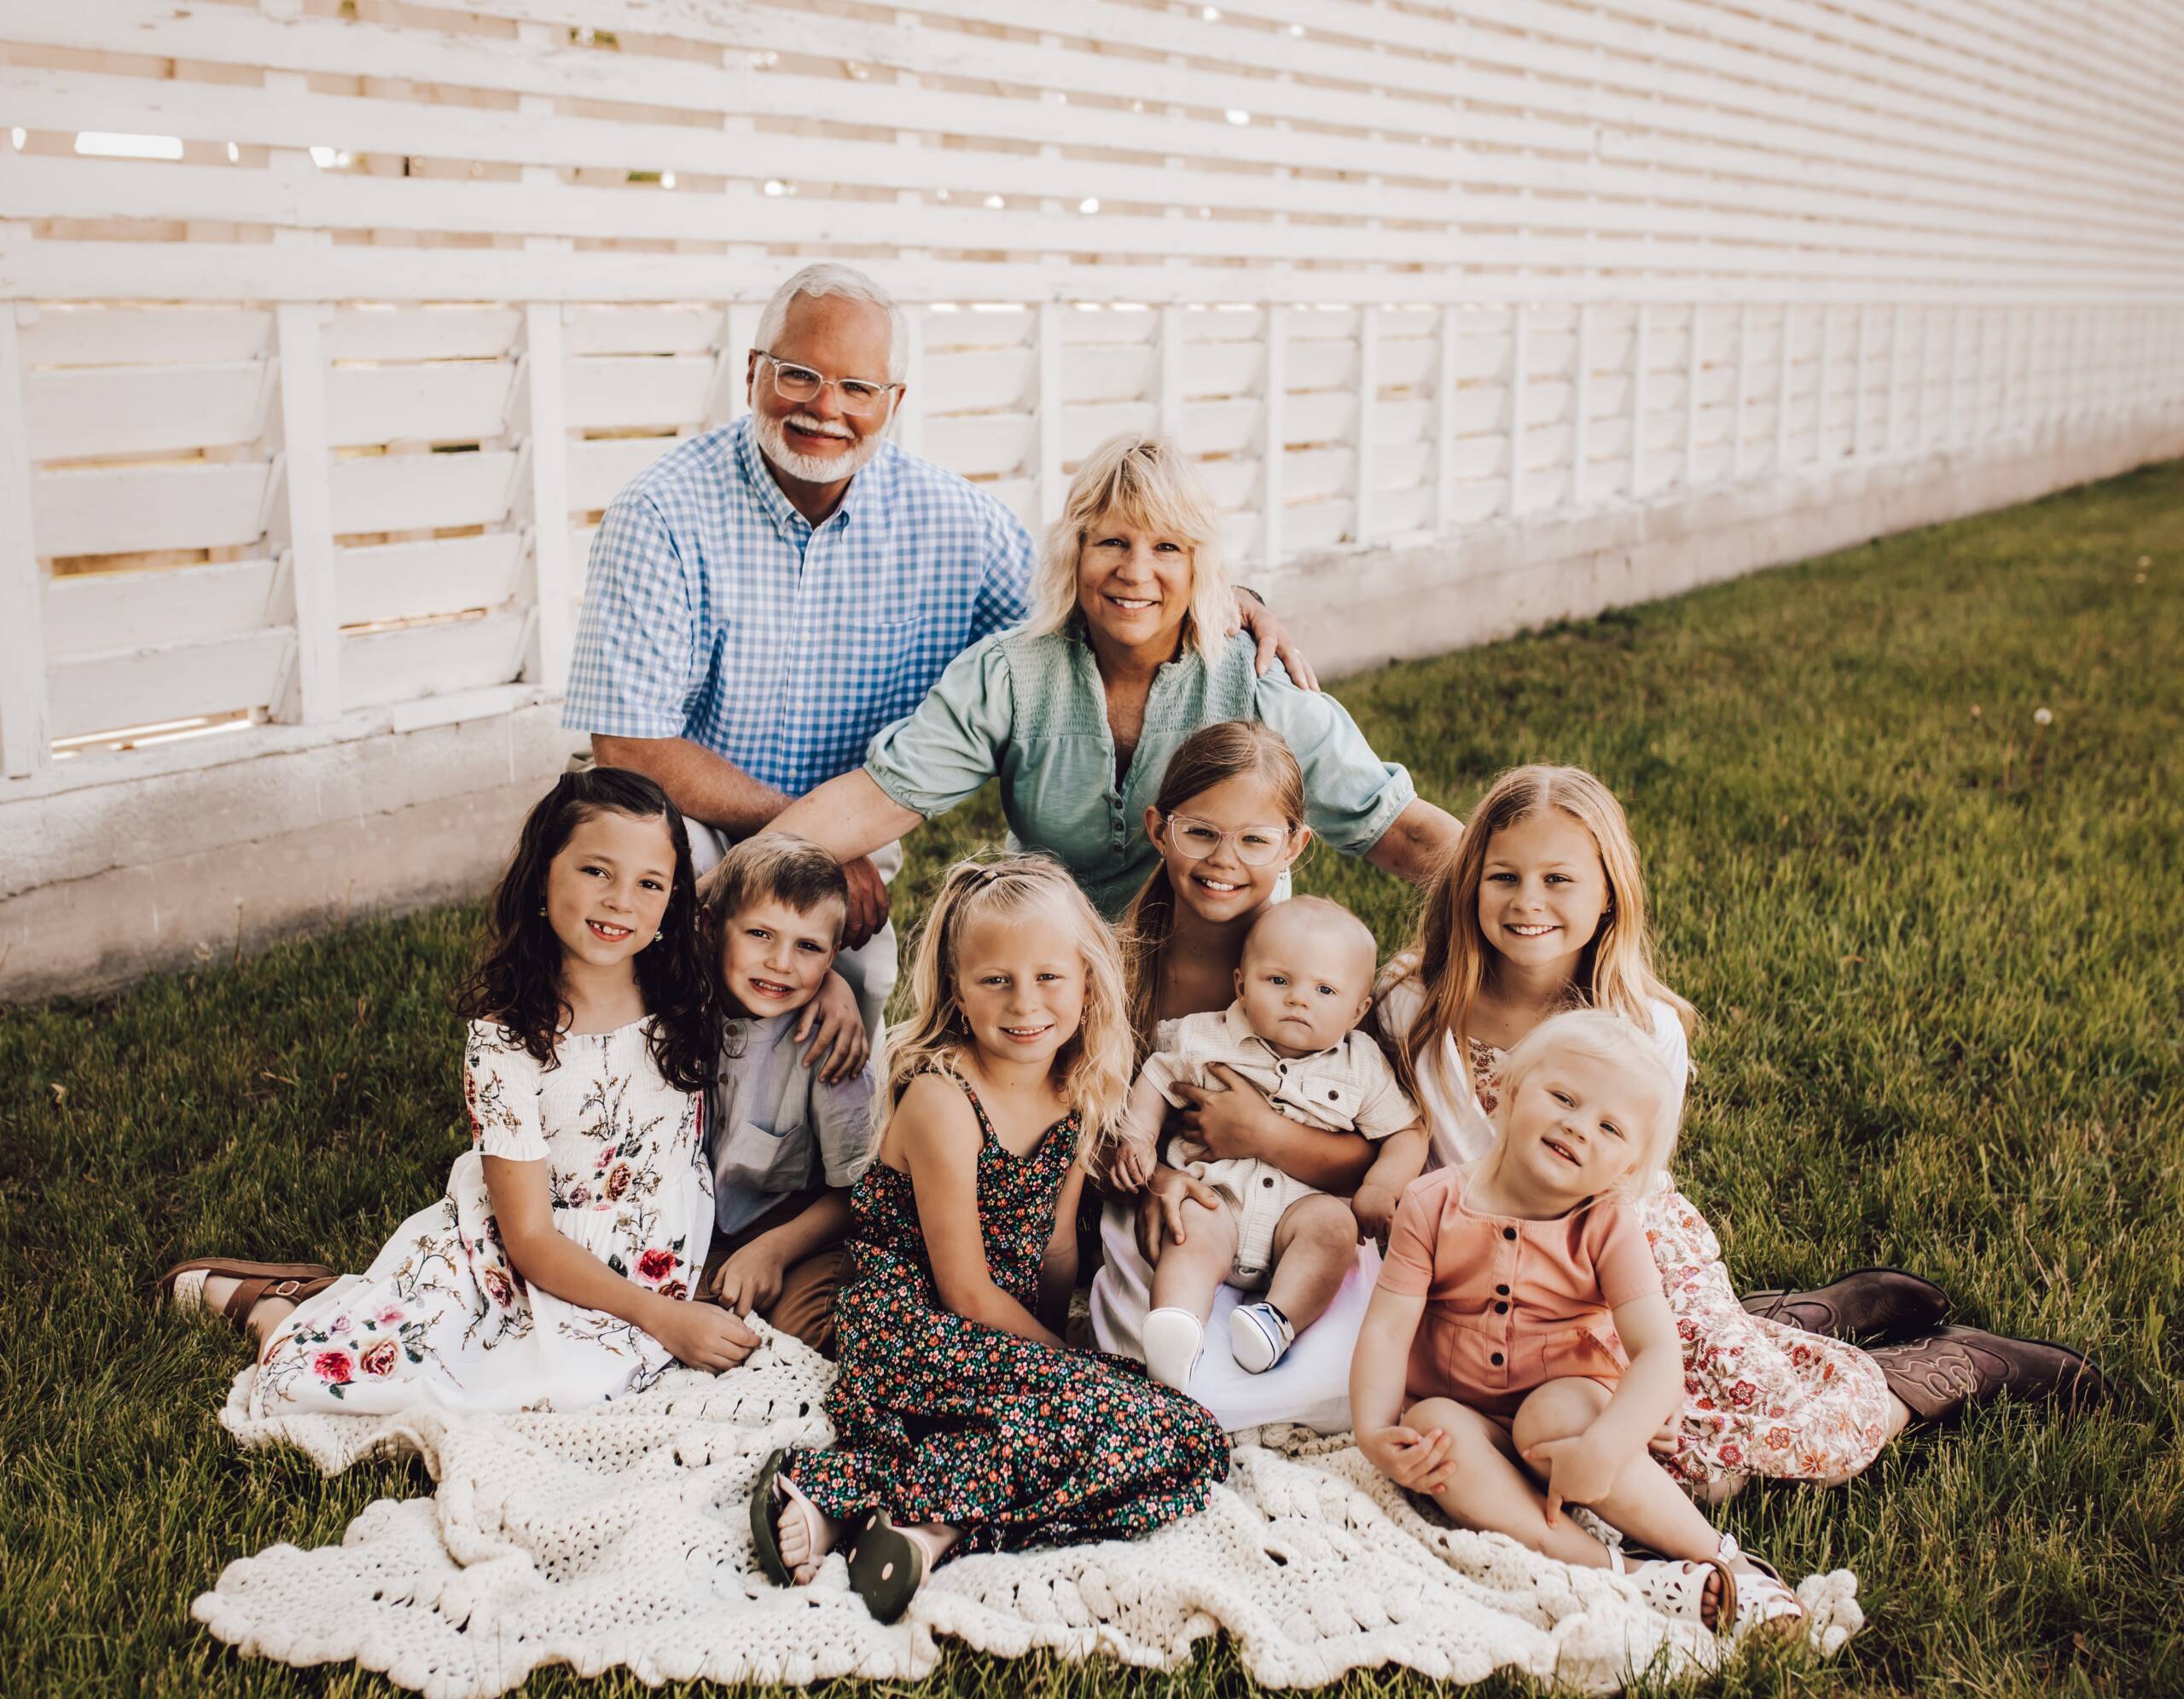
(1937, 945)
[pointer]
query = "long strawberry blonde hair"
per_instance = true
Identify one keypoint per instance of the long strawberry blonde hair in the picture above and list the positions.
(1209, 756)
(1093, 1068)
(1448, 956)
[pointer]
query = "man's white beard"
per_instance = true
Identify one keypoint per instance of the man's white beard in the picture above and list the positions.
(773, 443)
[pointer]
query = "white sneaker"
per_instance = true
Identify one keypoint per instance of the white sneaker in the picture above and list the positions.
(1260, 1335)
(1172, 1338)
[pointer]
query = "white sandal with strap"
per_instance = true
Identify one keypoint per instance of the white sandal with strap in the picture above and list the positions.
(1676, 1587)
(1765, 1602)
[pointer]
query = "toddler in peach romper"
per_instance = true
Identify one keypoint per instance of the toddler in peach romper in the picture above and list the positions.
(1512, 1304)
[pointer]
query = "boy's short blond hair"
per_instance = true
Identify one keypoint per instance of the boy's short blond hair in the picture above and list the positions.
(777, 865)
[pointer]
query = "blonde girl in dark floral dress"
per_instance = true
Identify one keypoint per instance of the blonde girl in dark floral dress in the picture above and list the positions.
(962, 1422)
(556, 1269)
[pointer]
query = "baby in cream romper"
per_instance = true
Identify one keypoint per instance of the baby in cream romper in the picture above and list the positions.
(1305, 981)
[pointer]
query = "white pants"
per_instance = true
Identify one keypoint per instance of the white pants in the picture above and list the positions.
(1310, 1385)
(870, 968)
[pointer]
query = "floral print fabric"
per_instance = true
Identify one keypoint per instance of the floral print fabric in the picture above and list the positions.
(441, 1318)
(1759, 1398)
(939, 1419)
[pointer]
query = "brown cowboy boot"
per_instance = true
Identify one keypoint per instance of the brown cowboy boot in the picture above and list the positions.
(1942, 1375)
(1868, 1303)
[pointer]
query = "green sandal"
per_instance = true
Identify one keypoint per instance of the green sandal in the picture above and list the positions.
(765, 1534)
(886, 1566)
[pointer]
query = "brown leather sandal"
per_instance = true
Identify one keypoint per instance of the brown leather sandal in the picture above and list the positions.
(254, 1282)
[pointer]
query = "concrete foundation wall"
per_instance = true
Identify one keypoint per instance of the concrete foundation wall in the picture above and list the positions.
(102, 883)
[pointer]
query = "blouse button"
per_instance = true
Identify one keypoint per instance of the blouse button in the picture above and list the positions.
(1502, 1291)
(1502, 1310)
(1508, 1233)
(1332, 1096)
(1495, 1359)
(1269, 1181)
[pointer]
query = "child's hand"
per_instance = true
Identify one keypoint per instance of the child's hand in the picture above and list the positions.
(1375, 1206)
(701, 1335)
(1130, 1168)
(749, 1280)
(1416, 1462)
(834, 1022)
(1579, 1471)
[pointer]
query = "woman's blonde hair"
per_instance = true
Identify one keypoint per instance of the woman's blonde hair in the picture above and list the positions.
(1449, 955)
(1631, 1052)
(1094, 1067)
(1149, 483)
(1209, 756)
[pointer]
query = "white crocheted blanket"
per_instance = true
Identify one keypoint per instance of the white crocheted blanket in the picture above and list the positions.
(619, 1535)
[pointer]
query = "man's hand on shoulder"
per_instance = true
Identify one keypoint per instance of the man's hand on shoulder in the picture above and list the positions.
(868, 902)
(1274, 640)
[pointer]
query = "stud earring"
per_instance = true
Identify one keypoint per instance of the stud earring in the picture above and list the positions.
(541, 909)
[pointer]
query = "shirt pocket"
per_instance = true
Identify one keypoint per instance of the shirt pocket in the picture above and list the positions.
(1590, 1349)
(1334, 1102)
(760, 1159)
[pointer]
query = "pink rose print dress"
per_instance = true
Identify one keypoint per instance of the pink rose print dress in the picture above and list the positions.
(442, 1319)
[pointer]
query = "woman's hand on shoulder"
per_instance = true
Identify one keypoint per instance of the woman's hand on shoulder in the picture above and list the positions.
(834, 1022)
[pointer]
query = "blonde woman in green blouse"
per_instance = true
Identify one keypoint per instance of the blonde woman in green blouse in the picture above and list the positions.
(1130, 647)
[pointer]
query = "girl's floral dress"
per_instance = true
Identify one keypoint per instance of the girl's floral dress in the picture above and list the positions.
(938, 1419)
(442, 1318)
(1759, 1398)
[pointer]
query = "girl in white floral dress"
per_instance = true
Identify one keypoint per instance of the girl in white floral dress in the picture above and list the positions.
(556, 1271)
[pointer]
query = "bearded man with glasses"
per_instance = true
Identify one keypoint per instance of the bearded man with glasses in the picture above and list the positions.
(766, 597)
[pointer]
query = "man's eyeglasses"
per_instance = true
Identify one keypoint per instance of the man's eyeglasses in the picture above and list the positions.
(859, 396)
(1195, 839)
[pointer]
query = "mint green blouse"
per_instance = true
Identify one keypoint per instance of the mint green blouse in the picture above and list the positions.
(1031, 711)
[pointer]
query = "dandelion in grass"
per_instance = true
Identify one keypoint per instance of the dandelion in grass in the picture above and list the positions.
(2040, 716)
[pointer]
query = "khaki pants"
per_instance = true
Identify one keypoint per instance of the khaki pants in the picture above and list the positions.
(805, 1308)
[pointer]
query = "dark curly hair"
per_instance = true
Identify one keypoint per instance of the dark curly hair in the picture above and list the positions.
(518, 982)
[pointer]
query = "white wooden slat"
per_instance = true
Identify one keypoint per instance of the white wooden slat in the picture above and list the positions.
(441, 332)
(116, 510)
(1084, 428)
(1049, 402)
(417, 492)
(1106, 372)
(978, 444)
(424, 661)
(555, 581)
(1365, 475)
(1000, 379)
(599, 466)
(639, 330)
(1520, 345)
(93, 612)
(24, 704)
(134, 335)
(393, 581)
(452, 401)
(223, 112)
(607, 392)
(1276, 540)
(1449, 358)
(86, 412)
(302, 530)
(144, 687)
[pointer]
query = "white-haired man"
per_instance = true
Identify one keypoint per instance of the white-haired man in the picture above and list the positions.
(764, 597)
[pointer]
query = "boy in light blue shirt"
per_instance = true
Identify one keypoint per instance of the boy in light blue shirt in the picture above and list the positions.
(784, 1145)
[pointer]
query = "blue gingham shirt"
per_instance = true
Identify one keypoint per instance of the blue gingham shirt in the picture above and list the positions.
(713, 611)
